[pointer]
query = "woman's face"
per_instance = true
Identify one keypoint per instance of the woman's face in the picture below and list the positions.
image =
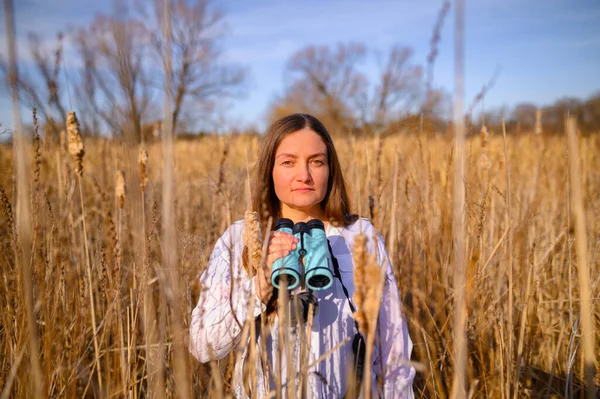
(300, 174)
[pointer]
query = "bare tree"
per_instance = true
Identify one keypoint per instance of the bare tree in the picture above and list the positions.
(327, 79)
(115, 79)
(329, 84)
(123, 62)
(591, 114)
(400, 83)
(40, 89)
(49, 68)
(524, 116)
(4, 130)
(201, 77)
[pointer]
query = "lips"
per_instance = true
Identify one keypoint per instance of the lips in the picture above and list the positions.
(303, 190)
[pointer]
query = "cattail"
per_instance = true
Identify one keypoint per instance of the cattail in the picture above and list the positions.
(484, 162)
(143, 161)
(104, 270)
(8, 212)
(82, 291)
(75, 142)
(221, 174)
(120, 188)
(368, 282)
(37, 152)
(484, 135)
(367, 275)
(252, 241)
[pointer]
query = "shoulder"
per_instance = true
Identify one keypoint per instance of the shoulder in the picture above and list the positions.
(233, 234)
(352, 230)
(361, 225)
(364, 226)
(236, 227)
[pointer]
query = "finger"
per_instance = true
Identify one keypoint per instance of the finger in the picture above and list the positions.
(275, 248)
(284, 235)
(284, 241)
(272, 257)
(281, 245)
(279, 248)
(277, 255)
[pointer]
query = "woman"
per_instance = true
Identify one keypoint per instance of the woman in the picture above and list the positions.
(304, 181)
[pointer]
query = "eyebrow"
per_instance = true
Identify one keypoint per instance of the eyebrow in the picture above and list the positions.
(285, 154)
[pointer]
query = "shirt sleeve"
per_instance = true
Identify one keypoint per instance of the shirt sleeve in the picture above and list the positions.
(393, 345)
(213, 328)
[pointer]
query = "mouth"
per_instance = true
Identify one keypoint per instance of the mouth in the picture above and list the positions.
(303, 190)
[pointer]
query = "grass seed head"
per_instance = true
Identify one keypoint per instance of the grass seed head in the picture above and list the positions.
(484, 136)
(8, 212)
(143, 161)
(120, 188)
(75, 144)
(252, 241)
(366, 282)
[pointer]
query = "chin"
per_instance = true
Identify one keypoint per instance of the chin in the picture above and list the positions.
(305, 206)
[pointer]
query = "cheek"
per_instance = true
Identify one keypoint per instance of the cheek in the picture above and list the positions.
(323, 179)
(280, 180)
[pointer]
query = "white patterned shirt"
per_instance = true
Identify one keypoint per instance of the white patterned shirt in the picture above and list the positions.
(214, 331)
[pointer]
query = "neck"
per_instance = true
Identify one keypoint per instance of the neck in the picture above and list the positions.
(300, 215)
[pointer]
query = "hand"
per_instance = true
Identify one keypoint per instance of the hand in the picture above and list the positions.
(280, 245)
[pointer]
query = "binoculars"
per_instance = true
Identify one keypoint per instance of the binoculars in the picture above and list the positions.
(310, 259)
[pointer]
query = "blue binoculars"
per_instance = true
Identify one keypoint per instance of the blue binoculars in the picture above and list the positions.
(310, 259)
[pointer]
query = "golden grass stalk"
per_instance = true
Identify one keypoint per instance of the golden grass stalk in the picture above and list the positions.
(582, 262)
(120, 197)
(458, 214)
(253, 241)
(170, 258)
(283, 345)
(304, 351)
(75, 147)
(508, 221)
(148, 307)
(393, 220)
(368, 283)
(22, 245)
(120, 189)
(143, 162)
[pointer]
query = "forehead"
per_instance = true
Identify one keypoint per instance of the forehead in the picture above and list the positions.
(304, 140)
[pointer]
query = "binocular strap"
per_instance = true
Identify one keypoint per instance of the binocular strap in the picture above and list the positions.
(358, 343)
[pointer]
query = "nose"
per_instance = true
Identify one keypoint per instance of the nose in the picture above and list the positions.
(303, 173)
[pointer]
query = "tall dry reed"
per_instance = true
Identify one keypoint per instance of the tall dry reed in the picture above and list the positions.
(529, 171)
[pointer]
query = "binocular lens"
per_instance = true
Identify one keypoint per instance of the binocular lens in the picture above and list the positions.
(292, 281)
(284, 223)
(319, 281)
(315, 224)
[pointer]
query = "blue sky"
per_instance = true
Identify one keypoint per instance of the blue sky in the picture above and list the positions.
(545, 49)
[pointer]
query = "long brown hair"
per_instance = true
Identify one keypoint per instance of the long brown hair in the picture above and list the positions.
(264, 199)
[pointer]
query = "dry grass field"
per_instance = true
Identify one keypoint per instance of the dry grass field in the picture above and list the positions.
(109, 315)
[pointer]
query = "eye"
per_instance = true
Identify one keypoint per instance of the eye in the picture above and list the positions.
(287, 163)
(318, 162)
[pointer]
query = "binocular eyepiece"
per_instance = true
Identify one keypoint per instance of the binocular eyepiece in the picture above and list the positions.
(310, 259)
